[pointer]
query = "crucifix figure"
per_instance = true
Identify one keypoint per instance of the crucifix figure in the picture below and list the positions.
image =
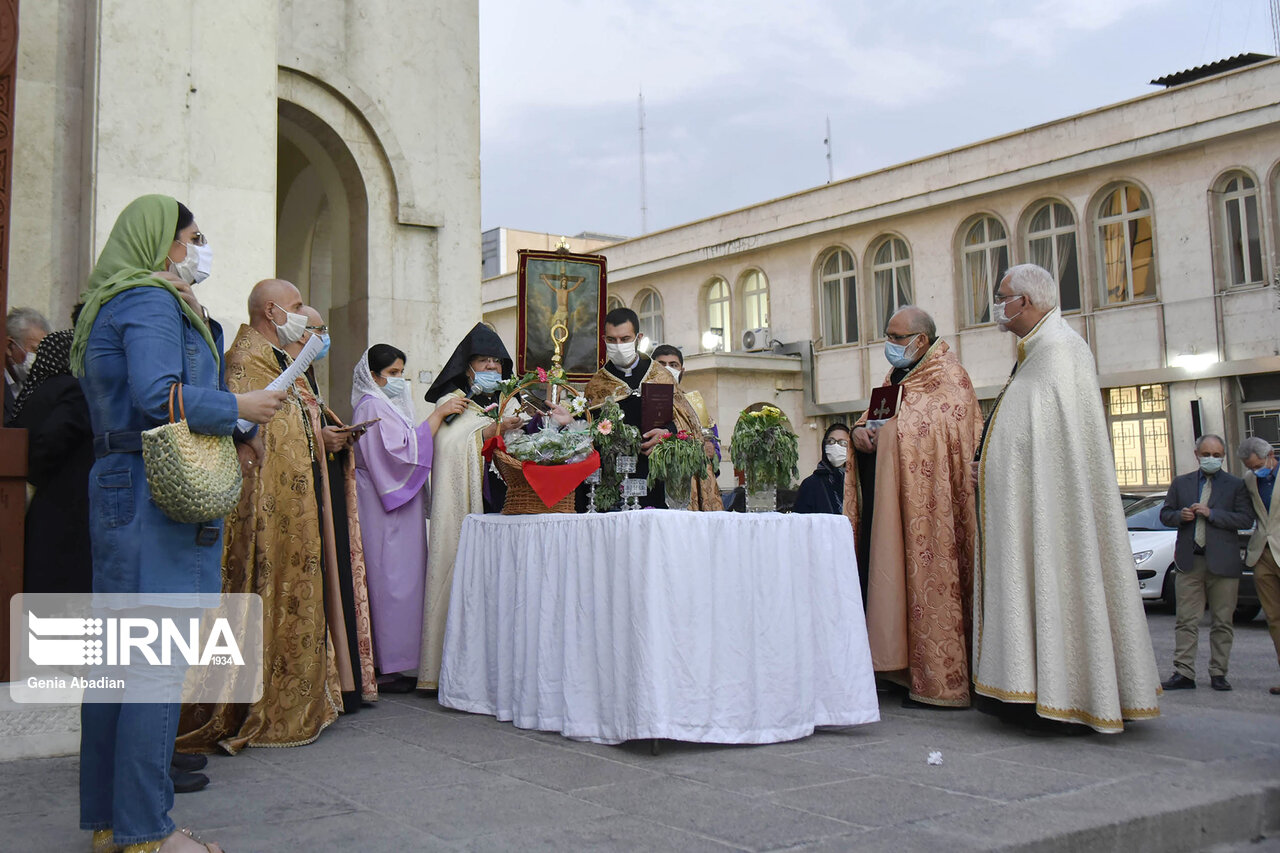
(560, 284)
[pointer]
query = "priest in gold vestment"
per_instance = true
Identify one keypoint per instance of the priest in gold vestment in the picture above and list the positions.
(1059, 630)
(280, 544)
(923, 528)
(621, 378)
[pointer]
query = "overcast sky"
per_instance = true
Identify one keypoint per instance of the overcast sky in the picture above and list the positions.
(737, 92)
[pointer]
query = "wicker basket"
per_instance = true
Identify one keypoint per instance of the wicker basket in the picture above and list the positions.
(521, 498)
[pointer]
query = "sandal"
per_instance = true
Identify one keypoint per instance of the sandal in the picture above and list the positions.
(154, 846)
(104, 841)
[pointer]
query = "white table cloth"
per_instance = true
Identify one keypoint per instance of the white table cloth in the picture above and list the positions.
(715, 627)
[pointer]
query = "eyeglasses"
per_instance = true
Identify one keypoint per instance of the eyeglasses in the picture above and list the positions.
(324, 330)
(897, 339)
(198, 239)
(840, 441)
(1001, 298)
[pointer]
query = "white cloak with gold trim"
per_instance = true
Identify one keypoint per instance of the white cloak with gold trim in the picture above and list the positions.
(457, 489)
(1058, 620)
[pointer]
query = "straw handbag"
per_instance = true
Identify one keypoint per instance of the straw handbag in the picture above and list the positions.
(193, 477)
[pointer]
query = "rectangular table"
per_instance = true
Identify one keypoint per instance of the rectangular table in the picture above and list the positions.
(713, 627)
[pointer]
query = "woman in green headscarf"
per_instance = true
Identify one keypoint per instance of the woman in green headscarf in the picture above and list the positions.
(141, 331)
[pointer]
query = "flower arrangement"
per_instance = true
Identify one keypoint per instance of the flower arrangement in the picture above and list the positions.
(613, 437)
(576, 405)
(677, 459)
(549, 445)
(764, 448)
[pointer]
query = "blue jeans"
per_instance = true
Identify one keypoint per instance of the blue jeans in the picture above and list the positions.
(125, 751)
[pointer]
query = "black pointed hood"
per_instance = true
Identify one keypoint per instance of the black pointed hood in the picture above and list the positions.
(481, 340)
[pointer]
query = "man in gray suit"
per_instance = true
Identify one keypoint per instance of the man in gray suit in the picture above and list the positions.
(1259, 457)
(1209, 507)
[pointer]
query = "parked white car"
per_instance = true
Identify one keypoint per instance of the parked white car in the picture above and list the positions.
(1153, 542)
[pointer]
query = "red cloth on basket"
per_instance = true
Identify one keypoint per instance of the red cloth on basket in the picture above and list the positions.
(552, 482)
(549, 482)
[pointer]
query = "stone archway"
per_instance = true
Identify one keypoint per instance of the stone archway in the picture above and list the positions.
(322, 238)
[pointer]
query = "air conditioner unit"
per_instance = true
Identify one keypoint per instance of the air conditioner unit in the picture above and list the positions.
(754, 340)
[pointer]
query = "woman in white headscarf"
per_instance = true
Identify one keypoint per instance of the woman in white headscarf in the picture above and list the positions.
(392, 463)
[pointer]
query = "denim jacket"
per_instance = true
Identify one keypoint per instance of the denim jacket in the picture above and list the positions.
(140, 344)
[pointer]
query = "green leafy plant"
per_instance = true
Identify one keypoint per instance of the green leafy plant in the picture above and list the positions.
(677, 459)
(549, 445)
(764, 449)
(613, 437)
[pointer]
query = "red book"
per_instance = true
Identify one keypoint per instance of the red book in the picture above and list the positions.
(884, 403)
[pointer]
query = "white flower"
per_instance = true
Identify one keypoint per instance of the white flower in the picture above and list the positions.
(935, 758)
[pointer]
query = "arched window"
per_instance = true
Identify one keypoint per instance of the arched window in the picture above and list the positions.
(1051, 243)
(715, 299)
(984, 256)
(1126, 250)
(891, 272)
(1241, 229)
(754, 288)
(838, 298)
(611, 303)
(649, 310)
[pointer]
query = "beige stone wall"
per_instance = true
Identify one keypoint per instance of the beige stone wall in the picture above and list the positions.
(48, 255)
(117, 98)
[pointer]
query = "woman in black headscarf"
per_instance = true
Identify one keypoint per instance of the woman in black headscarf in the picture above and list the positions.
(52, 409)
(460, 481)
(823, 490)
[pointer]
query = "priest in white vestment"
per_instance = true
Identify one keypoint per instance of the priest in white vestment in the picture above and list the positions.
(1058, 621)
(460, 481)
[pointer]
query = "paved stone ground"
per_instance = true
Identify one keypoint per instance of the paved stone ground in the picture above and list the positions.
(409, 775)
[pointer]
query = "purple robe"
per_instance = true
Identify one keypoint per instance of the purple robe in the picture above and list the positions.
(392, 463)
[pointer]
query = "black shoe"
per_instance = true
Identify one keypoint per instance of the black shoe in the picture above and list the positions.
(1219, 682)
(189, 762)
(185, 782)
(399, 684)
(1178, 681)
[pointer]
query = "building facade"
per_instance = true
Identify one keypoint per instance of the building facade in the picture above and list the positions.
(1158, 216)
(309, 144)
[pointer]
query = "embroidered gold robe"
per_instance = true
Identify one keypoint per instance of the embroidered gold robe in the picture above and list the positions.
(273, 547)
(923, 531)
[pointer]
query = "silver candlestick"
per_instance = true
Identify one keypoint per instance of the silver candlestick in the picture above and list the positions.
(593, 480)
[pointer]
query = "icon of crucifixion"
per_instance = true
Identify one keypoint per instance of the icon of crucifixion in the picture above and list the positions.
(560, 284)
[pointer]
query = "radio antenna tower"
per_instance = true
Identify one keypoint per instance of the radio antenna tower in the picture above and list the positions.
(831, 174)
(644, 205)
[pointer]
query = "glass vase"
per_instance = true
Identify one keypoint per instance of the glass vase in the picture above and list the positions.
(678, 492)
(762, 497)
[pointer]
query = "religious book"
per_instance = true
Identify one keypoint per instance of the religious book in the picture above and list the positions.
(657, 406)
(883, 405)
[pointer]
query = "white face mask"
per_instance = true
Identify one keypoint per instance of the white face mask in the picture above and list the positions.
(622, 355)
(837, 454)
(204, 261)
(396, 385)
(22, 370)
(997, 313)
(674, 371)
(188, 268)
(295, 326)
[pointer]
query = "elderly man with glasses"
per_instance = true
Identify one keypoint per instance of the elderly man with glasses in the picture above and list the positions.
(1060, 636)
(911, 505)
